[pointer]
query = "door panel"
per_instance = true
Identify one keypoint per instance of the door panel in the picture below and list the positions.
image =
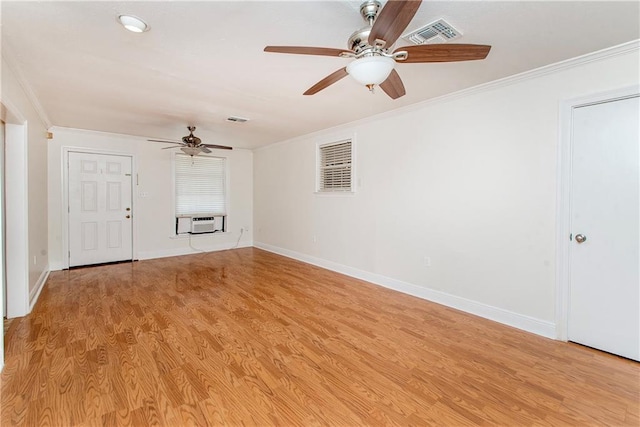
(99, 195)
(89, 196)
(114, 196)
(114, 234)
(89, 236)
(604, 302)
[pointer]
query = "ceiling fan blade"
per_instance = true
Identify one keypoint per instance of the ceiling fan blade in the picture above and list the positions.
(219, 147)
(392, 21)
(167, 142)
(393, 85)
(204, 149)
(169, 148)
(303, 50)
(444, 52)
(327, 81)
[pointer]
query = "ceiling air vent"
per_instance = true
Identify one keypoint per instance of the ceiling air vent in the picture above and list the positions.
(235, 119)
(439, 31)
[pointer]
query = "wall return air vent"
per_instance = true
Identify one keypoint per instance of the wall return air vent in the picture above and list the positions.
(439, 31)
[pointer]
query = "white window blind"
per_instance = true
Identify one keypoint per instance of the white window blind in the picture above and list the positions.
(335, 166)
(200, 185)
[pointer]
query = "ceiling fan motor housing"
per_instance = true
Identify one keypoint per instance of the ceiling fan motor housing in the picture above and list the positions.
(191, 140)
(358, 40)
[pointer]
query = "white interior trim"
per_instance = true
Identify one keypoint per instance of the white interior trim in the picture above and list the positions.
(526, 323)
(35, 292)
(563, 201)
(9, 57)
(17, 218)
(2, 236)
(93, 133)
(198, 248)
(16, 261)
(619, 50)
(65, 198)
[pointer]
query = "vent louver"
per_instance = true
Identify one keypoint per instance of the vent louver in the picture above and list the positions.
(235, 119)
(439, 31)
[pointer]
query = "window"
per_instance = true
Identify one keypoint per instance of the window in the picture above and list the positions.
(334, 166)
(200, 187)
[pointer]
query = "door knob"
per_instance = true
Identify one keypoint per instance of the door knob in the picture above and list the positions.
(128, 216)
(581, 238)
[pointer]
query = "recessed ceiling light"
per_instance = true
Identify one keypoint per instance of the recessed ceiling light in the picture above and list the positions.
(133, 23)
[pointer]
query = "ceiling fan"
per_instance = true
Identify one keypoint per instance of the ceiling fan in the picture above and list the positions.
(371, 45)
(191, 144)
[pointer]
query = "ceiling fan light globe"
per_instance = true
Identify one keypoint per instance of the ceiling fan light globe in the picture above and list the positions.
(371, 70)
(192, 151)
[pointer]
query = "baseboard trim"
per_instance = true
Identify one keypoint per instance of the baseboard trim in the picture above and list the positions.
(165, 253)
(56, 267)
(526, 323)
(35, 292)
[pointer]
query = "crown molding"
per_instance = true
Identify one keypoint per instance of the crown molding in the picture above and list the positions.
(596, 56)
(619, 50)
(106, 134)
(10, 59)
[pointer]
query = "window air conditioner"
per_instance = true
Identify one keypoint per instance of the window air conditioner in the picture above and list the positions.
(203, 224)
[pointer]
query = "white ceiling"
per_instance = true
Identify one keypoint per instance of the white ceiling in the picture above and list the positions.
(203, 61)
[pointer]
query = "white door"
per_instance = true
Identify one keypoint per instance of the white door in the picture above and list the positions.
(100, 211)
(604, 299)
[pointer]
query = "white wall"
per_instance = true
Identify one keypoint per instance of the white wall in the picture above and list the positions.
(468, 181)
(33, 172)
(153, 212)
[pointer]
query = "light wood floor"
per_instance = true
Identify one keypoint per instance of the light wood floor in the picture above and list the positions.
(248, 337)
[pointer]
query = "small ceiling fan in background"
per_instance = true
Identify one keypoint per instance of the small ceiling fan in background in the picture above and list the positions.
(191, 144)
(371, 45)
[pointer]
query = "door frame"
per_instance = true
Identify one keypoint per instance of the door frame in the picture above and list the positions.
(16, 234)
(65, 198)
(563, 199)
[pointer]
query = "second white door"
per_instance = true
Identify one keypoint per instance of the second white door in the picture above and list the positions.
(100, 208)
(604, 300)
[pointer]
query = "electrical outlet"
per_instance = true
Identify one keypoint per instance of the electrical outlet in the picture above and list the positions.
(35, 260)
(427, 261)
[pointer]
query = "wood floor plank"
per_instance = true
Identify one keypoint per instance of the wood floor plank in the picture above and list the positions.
(246, 337)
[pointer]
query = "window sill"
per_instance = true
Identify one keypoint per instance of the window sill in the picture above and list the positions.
(188, 235)
(335, 193)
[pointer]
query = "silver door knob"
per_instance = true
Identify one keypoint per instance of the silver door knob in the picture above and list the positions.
(580, 238)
